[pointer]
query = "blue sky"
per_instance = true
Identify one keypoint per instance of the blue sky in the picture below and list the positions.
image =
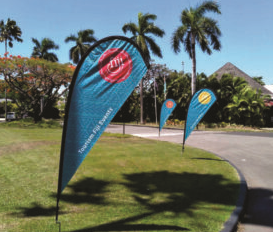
(246, 25)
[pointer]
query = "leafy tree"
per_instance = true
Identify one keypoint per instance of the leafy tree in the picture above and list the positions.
(141, 35)
(197, 28)
(35, 83)
(178, 88)
(9, 31)
(41, 49)
(259, 80)
(83, 41)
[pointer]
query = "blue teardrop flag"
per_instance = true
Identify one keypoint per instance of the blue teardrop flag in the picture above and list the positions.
(103, 80)
(199, 105)
(166, 109)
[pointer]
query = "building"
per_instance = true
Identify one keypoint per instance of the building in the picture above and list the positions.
(230, 68)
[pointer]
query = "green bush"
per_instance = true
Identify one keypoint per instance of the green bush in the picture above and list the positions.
(29, 122)
(212, 125)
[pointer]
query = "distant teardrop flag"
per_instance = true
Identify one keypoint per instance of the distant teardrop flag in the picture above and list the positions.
(103, 80)
(166, 110)
(199, 105)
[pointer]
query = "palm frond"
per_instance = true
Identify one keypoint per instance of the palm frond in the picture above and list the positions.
(36, 42)
(151, 28)
(179, 37)
(131, 27)
(147, 17)
(153, 46)
(10, 31)
(48, 44)
(208, 6)
(50, 56)
(71, 38)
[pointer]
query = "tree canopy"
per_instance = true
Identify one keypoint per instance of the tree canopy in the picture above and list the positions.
(83, 40)
(10, 31)
(33, 82)
(41, 49)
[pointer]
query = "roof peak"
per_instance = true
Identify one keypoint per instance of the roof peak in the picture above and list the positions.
(233, 70)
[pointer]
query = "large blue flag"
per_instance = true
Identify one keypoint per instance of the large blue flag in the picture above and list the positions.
(199, 105)
(103, 80)
(166, 109)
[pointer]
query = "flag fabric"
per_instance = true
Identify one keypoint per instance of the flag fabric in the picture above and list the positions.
(103, 80)
(166, 109)
(199, 105)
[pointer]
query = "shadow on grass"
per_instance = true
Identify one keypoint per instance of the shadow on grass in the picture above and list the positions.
(165, 191)
(37, 210)
(121, 225)
(87, 190)
(181, 190)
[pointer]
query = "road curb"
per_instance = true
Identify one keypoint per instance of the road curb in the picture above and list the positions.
(231, 224)
(237, 214)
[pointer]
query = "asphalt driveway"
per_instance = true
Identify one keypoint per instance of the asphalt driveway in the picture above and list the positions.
(251, 153)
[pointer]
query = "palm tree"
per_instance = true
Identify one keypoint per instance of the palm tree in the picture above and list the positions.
(247, 107)
(41, 49)
(8, 32)
(83, 41)
(141, 35)
(196, 28)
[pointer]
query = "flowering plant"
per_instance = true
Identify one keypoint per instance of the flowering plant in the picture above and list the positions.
(31, 80)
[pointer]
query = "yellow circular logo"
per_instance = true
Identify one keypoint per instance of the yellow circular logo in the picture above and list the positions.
(204, 98)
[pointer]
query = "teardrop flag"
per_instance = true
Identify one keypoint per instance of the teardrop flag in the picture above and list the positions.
(166, 110)
(199, 105)
(103, 80)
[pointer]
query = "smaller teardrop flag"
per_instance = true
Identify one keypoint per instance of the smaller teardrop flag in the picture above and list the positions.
(199, 105)
(166, 110)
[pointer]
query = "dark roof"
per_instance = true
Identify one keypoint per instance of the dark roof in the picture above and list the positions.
(229, 68)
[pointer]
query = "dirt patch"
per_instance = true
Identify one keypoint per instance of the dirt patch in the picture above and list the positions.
(18, 147)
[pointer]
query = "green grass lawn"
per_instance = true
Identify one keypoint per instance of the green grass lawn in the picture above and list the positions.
(124, 184)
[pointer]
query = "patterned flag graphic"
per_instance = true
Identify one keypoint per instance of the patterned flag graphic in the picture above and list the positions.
(199, 105)
(103, 80)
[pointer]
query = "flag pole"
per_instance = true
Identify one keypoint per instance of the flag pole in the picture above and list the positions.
(60, 178)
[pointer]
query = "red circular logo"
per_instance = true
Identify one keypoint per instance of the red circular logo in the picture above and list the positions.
(169, 104)
(115, 65)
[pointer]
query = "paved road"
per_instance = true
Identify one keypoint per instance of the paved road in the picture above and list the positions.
(251, 153)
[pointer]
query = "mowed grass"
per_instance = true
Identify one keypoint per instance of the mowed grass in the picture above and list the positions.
(124, 184)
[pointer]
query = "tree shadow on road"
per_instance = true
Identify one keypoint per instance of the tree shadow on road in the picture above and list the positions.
(259, 207)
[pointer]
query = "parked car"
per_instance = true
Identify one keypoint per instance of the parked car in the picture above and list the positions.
(11, 116)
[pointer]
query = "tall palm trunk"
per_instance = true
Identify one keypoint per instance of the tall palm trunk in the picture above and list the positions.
(193, 80)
